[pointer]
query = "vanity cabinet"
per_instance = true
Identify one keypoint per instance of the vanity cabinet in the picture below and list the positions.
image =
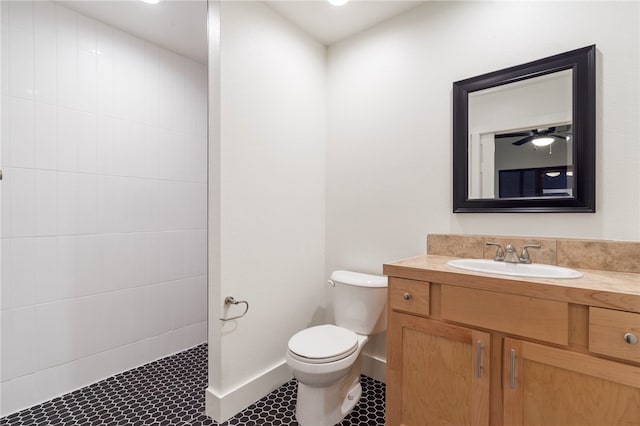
(443, 370)
(549, 386)
(465, 350)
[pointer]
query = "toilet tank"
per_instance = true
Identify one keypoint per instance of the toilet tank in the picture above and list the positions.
(359, 302)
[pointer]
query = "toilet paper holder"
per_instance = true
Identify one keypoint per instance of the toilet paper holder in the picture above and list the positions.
(229, 300)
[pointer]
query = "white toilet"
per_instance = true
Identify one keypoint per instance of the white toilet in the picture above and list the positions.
(326, 359)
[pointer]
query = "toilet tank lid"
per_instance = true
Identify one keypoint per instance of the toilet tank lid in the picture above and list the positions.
(359, 279)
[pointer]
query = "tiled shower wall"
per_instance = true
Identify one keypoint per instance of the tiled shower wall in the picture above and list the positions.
(103, 202)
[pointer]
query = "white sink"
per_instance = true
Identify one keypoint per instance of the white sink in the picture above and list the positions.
(533, 270)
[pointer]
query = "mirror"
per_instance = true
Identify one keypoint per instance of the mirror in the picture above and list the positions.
(524, 137)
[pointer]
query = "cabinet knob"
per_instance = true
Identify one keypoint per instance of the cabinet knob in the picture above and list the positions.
(631, 338)
(407, 296)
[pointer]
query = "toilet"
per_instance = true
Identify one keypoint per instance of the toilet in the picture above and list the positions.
(326, 359)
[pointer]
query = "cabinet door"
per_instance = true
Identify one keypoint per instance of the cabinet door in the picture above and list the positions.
(549, 386)
(438, 374)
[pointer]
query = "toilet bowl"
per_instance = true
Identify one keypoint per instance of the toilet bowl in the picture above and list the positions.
(326, 359)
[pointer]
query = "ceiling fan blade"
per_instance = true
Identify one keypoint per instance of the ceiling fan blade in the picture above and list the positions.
(512, 135)
(523, 140)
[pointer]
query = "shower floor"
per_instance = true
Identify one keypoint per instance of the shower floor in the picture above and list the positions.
(170, 391)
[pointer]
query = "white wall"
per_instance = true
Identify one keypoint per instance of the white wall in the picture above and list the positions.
(389, 124)
(103, 202)
(270, 200)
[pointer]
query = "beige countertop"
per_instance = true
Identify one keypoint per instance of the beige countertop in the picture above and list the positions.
(606, 289)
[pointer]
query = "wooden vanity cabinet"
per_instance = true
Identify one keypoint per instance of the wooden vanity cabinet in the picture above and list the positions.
(460, 355)
(548, 386)
(443, 371)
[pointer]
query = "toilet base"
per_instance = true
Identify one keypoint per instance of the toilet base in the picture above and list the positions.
(326, 406)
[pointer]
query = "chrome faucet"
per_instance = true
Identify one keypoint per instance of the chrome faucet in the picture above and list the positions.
(509, 254)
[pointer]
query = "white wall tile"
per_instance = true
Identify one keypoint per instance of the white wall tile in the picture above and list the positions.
(5, 130)
(138, 80)
(67, 132)
(195, 204)
(151, 85)
(94, 202)
(21, 49)
(91, 265)
(153, 153)
(22, 132)
(67, 265)
(5, 202)
(5, 47)
(195, 334)
(21, 13)
(87, 203)
(195, 253)
(67, 57)
(121, 148)
(47, 350)
(22, 204)
(46, 202)
(106, 145)
(87, 80)
(195, 290)
(122, 74)
(45, 51)
(67, 203)
(138, 149)
(195, 157)
(17, 394)
(46, 267)
(105, 82)
(18, 284)
(87, 142)
(46, 384)
(46, 124)
(18, 338)
(177, 154)
(172, 207)
(163, 261)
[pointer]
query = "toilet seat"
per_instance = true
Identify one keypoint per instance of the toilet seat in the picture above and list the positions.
(323, 344)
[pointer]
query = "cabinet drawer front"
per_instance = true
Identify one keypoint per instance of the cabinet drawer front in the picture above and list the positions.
(541, 319)
(607, 330)
(409, 296)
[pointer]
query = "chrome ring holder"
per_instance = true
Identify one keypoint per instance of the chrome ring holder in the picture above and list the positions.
(229, 300)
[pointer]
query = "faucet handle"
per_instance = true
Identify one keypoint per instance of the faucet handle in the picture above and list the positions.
(524, 256)
(499, 253)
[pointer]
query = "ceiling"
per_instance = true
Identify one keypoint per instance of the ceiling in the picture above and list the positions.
(180, 25)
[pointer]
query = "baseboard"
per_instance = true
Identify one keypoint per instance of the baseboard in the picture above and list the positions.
(374, 367)
(221, 407)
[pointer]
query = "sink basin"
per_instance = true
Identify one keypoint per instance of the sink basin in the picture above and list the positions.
(532, 270)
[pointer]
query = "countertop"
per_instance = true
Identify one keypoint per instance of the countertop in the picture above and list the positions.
(606, 289)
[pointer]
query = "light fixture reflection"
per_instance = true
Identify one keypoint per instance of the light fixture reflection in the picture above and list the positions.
(338, 2)
(553, 174)
(151, 1)
(543, 141)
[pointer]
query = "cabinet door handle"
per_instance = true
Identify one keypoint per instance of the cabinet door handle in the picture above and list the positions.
(406, 296)
(631, 338)
(478, 359)
(512, 369)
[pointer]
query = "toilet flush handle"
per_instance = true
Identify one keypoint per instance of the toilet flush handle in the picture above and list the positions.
(331, 283)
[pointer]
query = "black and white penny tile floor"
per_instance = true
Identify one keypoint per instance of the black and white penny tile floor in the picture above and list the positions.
(170, 391)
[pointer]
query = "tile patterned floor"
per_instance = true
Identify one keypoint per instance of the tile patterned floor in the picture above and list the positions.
(170, 391)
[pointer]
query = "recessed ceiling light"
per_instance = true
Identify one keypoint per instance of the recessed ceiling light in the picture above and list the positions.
(151, 1)
(338, 2)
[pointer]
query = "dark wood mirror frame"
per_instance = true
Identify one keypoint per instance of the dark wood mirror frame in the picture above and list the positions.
(583, 64)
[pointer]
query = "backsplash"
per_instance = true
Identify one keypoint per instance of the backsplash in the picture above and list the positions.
(619, 256)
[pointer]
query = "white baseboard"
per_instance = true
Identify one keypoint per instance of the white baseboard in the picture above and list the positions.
(374, 367)
(221, 407)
